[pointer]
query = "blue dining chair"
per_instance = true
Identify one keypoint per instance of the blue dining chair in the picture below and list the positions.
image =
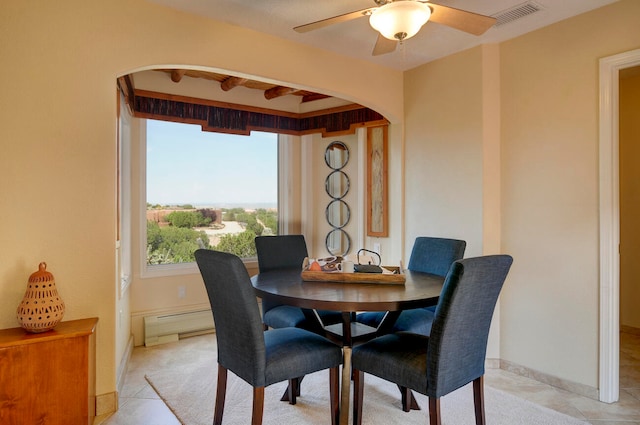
(259, 357)
(454, 353)
(429, 255)
(280, 252)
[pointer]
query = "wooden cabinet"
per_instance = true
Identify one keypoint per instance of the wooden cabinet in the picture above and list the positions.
(48, 378)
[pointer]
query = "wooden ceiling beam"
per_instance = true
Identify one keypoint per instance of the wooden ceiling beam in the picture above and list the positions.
(232, 82)
(177, 74)
(228, 82)
(314, 96)
(278, 91)
(126, 87)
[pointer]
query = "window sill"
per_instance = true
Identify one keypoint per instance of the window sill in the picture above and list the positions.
(162, 270)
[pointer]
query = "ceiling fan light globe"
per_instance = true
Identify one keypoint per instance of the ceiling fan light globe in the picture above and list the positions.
(404, 17)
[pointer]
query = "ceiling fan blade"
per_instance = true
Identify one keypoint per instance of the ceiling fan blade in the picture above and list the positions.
(384, 46)
(334, 20)
(462, 20)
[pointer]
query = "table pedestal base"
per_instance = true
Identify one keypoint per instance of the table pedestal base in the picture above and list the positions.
(345, 390)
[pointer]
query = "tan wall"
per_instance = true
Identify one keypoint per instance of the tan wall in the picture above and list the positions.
(549, 85)
(630, 200)
(547, 184)
(57, 130)
(444, 149)
(452, 123)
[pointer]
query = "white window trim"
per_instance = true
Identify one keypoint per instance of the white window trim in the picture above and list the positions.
(161, 270)
(285, 182)
(124, 243)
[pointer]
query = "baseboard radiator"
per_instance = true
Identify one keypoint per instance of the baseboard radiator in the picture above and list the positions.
(171, 327)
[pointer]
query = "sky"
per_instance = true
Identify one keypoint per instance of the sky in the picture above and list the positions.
(186, 165)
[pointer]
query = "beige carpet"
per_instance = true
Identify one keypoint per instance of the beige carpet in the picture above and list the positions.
(187, 385)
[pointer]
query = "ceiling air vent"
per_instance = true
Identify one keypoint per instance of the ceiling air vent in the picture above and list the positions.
(516, 12)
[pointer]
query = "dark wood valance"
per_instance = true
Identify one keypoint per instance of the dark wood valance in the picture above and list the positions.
(240, 119)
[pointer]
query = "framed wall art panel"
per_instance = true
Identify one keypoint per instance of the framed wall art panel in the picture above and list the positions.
(377, 182)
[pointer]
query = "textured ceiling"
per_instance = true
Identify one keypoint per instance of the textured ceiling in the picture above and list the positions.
(356, 38)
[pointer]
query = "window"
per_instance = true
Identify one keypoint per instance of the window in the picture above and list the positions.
(207, 190)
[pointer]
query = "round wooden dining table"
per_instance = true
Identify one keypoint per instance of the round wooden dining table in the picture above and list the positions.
(286, 286)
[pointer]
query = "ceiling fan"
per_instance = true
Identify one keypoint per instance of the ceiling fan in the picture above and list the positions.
(398, 20)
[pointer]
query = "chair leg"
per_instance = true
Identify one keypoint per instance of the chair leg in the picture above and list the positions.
(409, 402)
(292, 390)
(221, 392)
(406, 398)
(434, 411)
(358, 396)
(334, 394)
(478, 400)
(285, 395)
(258, 406)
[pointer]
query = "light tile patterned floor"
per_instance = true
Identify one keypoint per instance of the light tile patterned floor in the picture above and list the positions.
(140, 405)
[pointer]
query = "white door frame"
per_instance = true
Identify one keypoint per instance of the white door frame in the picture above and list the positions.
(609, 375)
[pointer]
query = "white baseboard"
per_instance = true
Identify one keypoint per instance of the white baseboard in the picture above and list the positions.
(106, 403)
(124, 365)
(574, 387)
(492, 363)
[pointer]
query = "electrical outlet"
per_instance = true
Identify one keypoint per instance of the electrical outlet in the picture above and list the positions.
(182, 291)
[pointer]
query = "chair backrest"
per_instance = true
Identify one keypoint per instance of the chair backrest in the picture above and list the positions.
(239, 331)
(458, 341)
(282, 251)
(435, 255)
(279, 252)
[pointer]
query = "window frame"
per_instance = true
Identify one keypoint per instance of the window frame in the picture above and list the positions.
(148, 271)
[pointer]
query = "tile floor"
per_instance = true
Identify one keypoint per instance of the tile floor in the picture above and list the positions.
(140, 405)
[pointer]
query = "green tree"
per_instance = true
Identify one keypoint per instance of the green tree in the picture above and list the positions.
(250, 222)
(157, 257)
(173, 244)
(240, 244)
(231, 214)
(269, 220)
(154, 237)
(187, 219)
